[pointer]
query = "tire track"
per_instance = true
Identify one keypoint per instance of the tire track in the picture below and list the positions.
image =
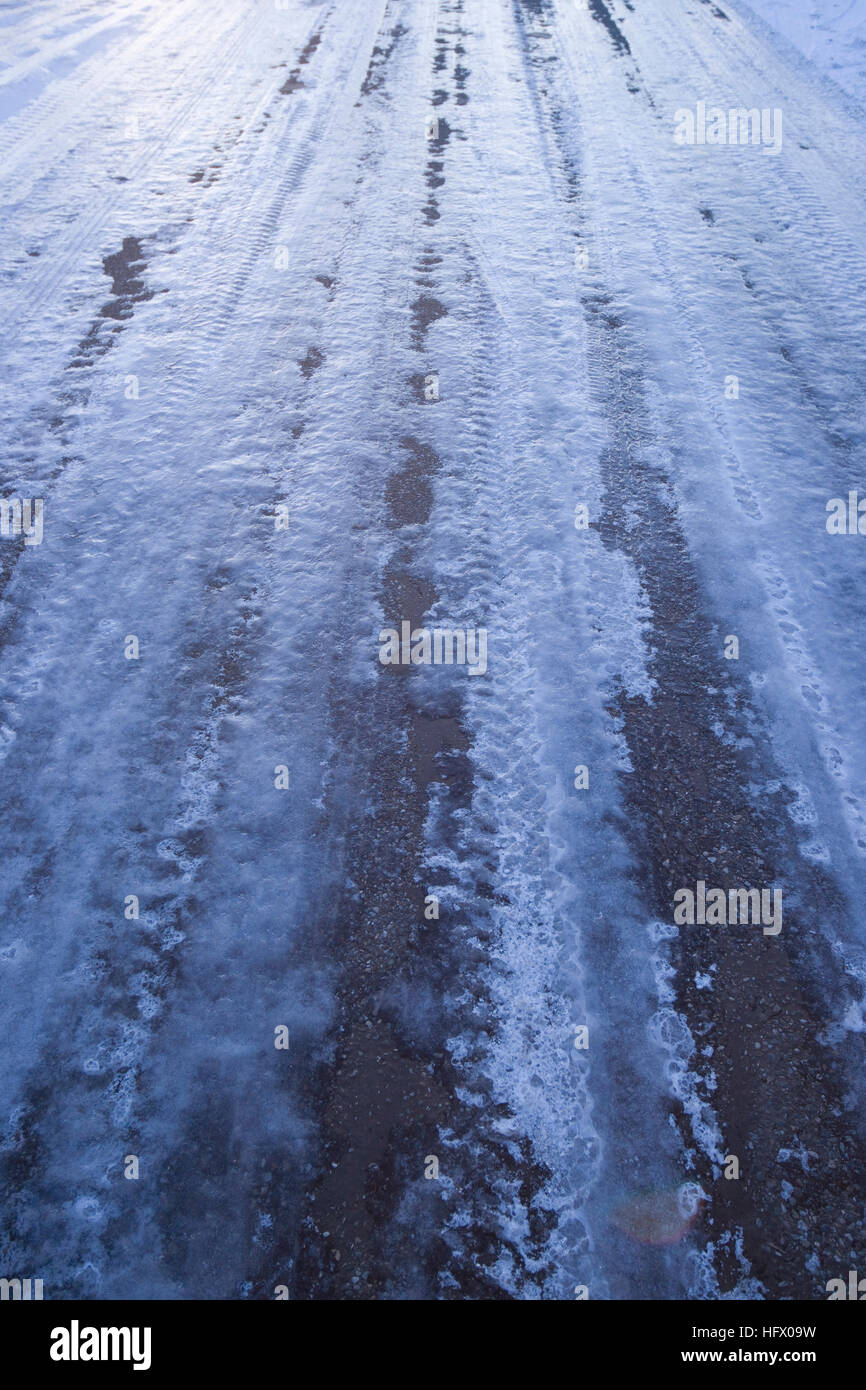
(696, 748)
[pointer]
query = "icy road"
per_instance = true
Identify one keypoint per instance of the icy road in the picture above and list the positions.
(339, 338)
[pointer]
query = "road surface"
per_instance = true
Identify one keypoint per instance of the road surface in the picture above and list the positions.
(330, 979)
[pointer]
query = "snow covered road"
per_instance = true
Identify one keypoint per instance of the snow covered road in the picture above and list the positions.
(329, 978)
